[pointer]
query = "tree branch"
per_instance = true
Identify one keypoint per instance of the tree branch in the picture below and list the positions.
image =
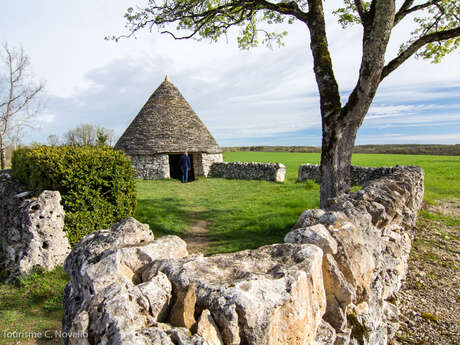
(412, 49)
(361, 11)
(289, 8)
(375, 39)
(322, 62)
(406, 9)
(221, 17)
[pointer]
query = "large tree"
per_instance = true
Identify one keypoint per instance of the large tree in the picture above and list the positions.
(19, 96)
(436, 34)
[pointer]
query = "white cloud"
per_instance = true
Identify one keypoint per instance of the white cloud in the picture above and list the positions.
(253, 95)
(45, 118)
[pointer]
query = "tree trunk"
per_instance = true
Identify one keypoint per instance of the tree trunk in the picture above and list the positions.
(336, 152)
(340, 127)
(2, 153)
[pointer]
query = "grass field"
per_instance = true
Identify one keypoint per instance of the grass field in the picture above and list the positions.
(237, 214)
(442, 173)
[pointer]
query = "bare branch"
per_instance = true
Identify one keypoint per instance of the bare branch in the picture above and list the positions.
(17, 104)
(419, 43)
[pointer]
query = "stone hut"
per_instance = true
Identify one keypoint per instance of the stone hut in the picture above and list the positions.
(166, 127)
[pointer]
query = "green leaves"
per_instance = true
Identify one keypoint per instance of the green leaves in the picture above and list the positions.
(213, 19)
(440, 16)
(349, 15)
(96, 183)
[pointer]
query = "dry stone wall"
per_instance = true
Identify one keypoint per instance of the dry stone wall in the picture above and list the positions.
(358, 175)
(151, 167)
(249, 171)
(31, 229)
(333, 282)
(366, 240)
(205, 161)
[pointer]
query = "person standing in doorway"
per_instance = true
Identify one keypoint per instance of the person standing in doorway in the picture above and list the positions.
(185, 166)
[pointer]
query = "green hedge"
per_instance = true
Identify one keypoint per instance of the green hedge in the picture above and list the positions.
(96, 184)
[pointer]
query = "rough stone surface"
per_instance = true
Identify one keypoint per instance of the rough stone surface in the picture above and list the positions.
(158, 292)
(106, 297)
(208, 329)
(316, 234)
(205, 161)
(359, 176)
(271, 295)
(156, 166)
(182, 313)
(309, 218)
(249, 171)
(372, 231)
(166, 124)
(151, 167)
(325, 334)
(31, 229)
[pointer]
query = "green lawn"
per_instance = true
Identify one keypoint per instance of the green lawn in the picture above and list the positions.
(240, 215)
(248, 214)
(442, 173)
(32, 304)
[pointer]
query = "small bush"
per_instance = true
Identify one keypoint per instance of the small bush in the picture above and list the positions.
(96, 184)
(429, 316)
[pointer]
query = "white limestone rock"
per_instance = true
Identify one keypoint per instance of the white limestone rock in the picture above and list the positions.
(208, 329)
(105, 270)
(315, 234)
(271, 295)
(372, 229)
(31, 229)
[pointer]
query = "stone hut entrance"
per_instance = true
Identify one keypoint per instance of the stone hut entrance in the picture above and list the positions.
(174, 167)
(165, 127)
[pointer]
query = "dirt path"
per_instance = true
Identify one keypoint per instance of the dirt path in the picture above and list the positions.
(196, 237)
(430, 296)
(449, 207)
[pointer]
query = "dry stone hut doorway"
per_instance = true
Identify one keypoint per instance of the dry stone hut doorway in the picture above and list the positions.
(174, 167)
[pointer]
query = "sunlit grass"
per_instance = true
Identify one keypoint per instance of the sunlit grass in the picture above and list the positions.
(240, 214)
(32, 304)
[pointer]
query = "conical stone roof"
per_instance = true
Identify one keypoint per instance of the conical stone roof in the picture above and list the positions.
(166, 124)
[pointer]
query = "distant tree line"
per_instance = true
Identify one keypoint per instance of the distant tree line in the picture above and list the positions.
(408, 149)
(84, 135)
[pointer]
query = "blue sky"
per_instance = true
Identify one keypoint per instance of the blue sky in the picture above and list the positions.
(256, 97)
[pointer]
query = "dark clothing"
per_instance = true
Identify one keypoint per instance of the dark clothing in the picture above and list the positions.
(185, 166)
(184, 171)
(184, 161)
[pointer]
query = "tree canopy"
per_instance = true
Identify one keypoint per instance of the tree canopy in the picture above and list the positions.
(437, 30)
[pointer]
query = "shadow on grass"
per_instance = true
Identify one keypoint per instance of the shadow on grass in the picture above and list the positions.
(229, 230)
(170, 216)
